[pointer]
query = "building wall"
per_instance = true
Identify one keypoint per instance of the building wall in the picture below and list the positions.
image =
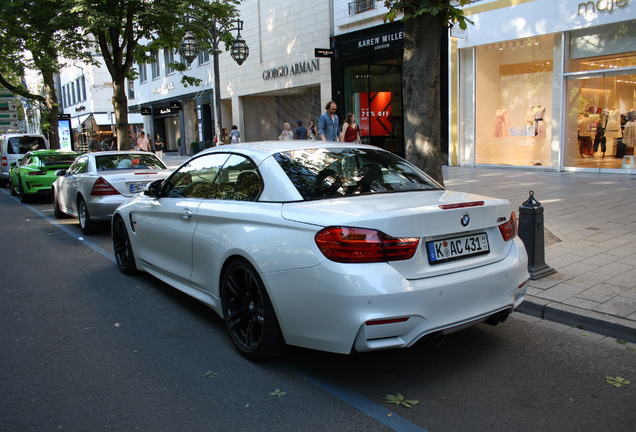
(281, 38)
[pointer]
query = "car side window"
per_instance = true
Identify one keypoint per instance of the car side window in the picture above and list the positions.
(239, 180)
(195, 178)
(79, 166)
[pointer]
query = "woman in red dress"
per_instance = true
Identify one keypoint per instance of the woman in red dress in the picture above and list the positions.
(350, 131)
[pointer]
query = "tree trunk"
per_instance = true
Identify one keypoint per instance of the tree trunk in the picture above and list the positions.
(120, 106)
(53, 110)
(421, 93)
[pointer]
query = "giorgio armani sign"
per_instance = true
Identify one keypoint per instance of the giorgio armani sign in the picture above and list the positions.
(292, 69)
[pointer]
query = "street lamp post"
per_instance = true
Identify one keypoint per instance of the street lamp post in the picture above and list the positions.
(215, 31)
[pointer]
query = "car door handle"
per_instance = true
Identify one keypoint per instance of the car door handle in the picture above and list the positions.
(187, 214)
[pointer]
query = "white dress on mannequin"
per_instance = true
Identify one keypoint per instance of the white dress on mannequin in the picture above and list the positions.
(613, 128)
(629, 134)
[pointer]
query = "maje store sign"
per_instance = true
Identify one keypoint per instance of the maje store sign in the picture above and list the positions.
(591, 7)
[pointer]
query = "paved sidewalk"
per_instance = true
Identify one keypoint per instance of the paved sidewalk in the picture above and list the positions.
(590, 238)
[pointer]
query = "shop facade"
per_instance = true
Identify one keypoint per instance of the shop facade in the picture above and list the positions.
(282, 80)
(554, 87)
(367, 81)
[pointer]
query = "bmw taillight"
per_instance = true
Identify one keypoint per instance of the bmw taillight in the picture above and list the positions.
(102, 187)
(5, 161)
(359, 245)
(509, 229)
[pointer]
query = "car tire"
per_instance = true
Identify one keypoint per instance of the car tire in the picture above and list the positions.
(57, 211)
(248, 313)
(122, 247)
(24, 198)
(12, 188)
(86, 225)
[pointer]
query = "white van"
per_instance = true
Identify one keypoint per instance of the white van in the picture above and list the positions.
(14, 146)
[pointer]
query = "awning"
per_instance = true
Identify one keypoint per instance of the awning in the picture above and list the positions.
(105, 119)
(77, 121)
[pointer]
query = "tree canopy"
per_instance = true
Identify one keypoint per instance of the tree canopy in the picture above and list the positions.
(35, 34)
(126, 31)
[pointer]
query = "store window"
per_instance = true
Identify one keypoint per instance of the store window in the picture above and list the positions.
(513, 99)
(601, 97)
(376, 98)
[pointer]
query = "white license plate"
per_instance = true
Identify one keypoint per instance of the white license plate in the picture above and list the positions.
(458, 247)
(136, 187)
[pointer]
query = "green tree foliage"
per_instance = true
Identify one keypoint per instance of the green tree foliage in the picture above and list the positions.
(33, 35)
(425, 24)
(125, 31)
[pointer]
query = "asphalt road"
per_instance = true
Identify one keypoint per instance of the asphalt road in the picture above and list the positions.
(85, 348)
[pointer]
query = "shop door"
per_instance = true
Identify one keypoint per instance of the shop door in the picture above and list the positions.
(598, 134)
(375, 96)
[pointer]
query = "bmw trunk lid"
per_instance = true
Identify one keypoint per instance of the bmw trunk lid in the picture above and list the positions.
(457, 231)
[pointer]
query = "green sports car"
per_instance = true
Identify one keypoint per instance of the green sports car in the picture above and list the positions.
(35, 172)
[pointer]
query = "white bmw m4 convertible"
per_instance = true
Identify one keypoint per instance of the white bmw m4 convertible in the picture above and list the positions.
(337, 247)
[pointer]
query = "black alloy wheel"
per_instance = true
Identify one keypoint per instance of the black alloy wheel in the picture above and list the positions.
(86, 225)
(248, 313)
(122, 247)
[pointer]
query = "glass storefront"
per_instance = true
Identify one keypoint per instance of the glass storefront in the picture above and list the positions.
(562, 101)
(513, 96)
(601, 97)
(367, 81)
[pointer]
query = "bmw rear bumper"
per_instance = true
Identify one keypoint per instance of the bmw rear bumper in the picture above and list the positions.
(345, 307)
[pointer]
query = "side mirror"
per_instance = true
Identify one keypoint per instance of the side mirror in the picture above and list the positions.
(60, 172)
(153, 189)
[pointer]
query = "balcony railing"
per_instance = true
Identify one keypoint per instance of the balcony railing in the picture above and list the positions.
(359, 6)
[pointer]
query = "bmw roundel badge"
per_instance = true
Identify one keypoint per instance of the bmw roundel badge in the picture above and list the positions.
(465, 220)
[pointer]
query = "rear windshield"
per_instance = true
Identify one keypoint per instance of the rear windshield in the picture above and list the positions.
(328, 173)
(22, 145)
(57, 159)
(128, 161)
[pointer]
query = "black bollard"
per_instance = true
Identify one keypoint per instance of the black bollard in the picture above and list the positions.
(531, 233)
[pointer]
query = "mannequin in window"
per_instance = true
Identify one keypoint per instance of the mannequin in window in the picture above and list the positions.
(613, 128)
(629, 133)
(530, 121)
(585, 136)
(539, 124)
(501, 123)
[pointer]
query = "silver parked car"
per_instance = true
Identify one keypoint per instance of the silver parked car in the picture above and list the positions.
(97, 183)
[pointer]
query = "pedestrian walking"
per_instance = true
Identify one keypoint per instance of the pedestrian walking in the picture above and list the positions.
(235, 135)
(350, 131)
(312, 132)
(94, 144)
(328, 123)
(159, 146)
(142, 142)
(301, 131)
(287, 133)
